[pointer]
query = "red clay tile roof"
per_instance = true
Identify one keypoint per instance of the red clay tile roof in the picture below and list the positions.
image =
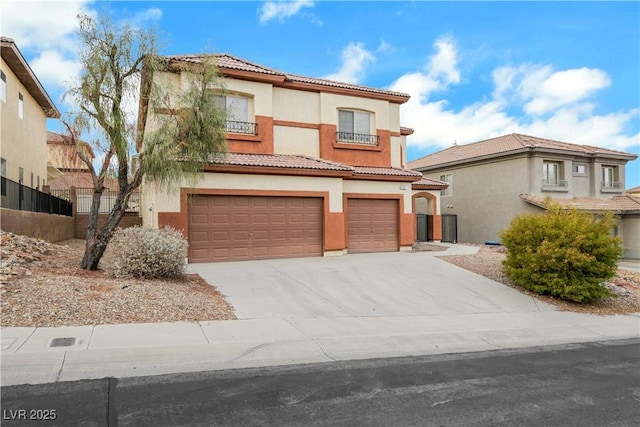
(231, 62)
(288, 161)
(429, 184)
(280, 161)
(360, 170)
(503, 145)
(624, 203)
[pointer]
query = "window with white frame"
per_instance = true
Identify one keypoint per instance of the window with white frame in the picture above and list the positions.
(3, 86)
(579, 169)
(237, 109)
(20, 105)
(609, 177)
(551, 172)
(356, 126)
(448, 178)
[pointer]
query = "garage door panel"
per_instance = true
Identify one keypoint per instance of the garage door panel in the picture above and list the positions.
(372, 225)
(225, 228)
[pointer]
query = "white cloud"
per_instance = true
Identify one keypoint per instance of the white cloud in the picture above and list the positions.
(439, 73)
(54, 70)
(146, 16)
(354, 59)
(282, 9)
(532, 99)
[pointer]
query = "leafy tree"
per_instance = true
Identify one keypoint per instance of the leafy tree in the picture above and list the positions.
(563, 252)
(119, 63)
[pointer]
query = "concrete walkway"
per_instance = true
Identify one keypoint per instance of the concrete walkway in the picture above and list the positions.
(338, 311)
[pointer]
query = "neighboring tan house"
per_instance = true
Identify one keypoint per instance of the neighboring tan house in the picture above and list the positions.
(492, 181)
(72, 171)
(315, 167)
(24, 107)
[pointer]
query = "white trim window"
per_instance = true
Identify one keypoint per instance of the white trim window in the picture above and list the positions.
(448, 178)
(3, 86)
(356, 126)
(20, 105)
(237, 109)
(608, 176)
(579, 169)
(551, 173)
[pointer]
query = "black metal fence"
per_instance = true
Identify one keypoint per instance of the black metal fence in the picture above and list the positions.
(423, 228)
(450, 228)
(20, 197)
(84, 199)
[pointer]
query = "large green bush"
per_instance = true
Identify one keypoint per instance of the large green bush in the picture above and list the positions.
(563, 253)
(147, 253)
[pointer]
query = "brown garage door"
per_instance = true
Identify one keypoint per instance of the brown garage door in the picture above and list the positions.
(372, 225)
(231, 228)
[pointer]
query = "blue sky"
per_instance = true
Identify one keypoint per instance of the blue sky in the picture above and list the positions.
(474, 70)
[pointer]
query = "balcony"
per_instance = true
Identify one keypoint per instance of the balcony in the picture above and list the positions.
(555, 185)
(610, 187)
(246, 128)
(357, 138)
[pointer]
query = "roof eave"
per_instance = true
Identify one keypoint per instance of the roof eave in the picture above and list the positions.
(16, 61)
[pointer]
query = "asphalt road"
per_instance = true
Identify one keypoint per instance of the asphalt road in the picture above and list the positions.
(593, 384)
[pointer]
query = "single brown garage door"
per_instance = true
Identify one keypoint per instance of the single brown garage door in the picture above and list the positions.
(232, 228)
(372, 225)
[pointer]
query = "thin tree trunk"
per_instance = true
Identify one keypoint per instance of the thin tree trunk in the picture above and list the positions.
(97, 241)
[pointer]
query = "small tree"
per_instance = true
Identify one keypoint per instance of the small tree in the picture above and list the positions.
(563, 253)
(118, 64)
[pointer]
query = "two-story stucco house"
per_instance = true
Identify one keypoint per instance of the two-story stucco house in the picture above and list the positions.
(491, 181)
(315, 167)
(24, 109)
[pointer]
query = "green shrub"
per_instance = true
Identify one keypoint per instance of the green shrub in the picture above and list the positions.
(147, 253)
(563, 253)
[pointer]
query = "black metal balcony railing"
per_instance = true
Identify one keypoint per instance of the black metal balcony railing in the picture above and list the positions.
(357, 138)
(554, 183)
(20, 197)
(242, 127)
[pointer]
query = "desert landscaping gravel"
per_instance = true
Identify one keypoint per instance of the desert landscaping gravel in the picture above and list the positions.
(41, 284)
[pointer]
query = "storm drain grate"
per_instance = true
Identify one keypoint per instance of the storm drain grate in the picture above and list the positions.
(63, 342)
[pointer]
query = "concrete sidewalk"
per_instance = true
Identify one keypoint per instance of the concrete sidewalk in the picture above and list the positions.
(506, 319)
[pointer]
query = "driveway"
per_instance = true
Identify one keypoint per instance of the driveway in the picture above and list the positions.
(360, 285)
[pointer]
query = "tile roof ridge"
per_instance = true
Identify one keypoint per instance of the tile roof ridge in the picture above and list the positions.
(328, 162)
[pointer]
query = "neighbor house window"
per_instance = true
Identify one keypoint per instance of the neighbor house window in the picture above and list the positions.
(609, 177)
(355, 126)
(3, 167)
(20, 105)
(3, 86)
(237, 109)
(448, 178)
(551, 173)
(579, 169)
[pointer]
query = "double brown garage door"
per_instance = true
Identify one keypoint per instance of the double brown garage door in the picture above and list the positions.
(230, 228)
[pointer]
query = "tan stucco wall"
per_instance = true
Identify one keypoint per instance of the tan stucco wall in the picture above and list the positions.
(296, 106)
(294, 140)
(629, 230)
(23, 142)
(486, 197)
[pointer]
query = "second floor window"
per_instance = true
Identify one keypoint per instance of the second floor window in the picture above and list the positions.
(609, 177)
(551, 173)
(355, 126)
(237, 109)
(448, 178)
(20, 105)
(3, 86)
